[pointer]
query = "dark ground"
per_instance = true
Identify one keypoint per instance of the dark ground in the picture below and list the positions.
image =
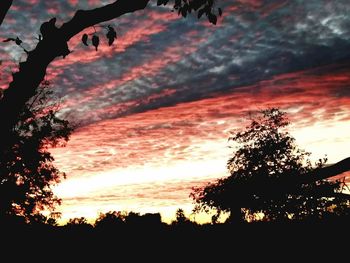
(282, 242)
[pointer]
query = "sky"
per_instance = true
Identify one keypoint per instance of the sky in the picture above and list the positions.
(154, 112)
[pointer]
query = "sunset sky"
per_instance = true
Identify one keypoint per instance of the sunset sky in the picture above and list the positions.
(154, 111)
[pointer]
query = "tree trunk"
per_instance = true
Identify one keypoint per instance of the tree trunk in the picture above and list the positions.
(4, 8)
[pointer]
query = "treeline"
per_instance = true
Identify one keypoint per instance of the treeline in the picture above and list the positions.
(129, 221)
(117, 233)
(133, 237)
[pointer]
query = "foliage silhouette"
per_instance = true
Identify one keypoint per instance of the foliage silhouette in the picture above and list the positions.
(208, 241)
(26, 182)
(53, 44)
(78, 224)
(146, 220)
(114, 219)
(110, 219)
(77, 221)
(95, 41)
(111, 35)
(26, 187)
(267, 155)
(180, 218)
(84, 39)
(27, 172)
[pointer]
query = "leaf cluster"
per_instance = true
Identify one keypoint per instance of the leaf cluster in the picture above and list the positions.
(27, 172)
(201, 7)
(111, 36)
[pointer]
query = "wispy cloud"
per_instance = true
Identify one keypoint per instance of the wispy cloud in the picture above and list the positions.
(156, 109)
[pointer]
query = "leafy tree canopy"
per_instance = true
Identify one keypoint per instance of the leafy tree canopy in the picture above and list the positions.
(27, 172)
(266, 155)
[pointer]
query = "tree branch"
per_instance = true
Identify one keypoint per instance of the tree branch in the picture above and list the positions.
(86, 18)
(33, 70)
(244, 193)
(295, 182)
(4, 8)
(326, 172)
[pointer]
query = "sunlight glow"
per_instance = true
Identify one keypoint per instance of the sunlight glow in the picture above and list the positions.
(329, 138)
(139, 175)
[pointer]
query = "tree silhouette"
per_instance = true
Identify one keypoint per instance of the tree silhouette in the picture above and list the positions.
(146, 220)
(24, 86)
(27, 129)
(110, 219)
(180, 218)
(54, 44)
(267, 157)
(27, 172)
(78, 224)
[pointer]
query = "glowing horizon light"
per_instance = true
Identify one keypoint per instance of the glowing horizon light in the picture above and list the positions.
(139, 175)
(181, 173)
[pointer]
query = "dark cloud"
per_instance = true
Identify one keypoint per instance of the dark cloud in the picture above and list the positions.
(254, 41)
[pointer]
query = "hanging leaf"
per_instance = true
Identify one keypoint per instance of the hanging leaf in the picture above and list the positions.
(212, 18)
(183, 11)
(18, 41)
(111, 35)
(84, 39)
(201, 12)
(162, 2)
(95, 41)
(220, 11)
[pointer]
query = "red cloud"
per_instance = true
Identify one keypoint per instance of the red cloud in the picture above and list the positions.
(151, 135)
(175, 148)
(150, 68)
(73, 2)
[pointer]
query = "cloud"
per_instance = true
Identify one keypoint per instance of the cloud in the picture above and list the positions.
(162, 101)
(258, 40)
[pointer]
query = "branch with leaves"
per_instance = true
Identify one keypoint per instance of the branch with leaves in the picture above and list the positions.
(111, 36)
(54, 44)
